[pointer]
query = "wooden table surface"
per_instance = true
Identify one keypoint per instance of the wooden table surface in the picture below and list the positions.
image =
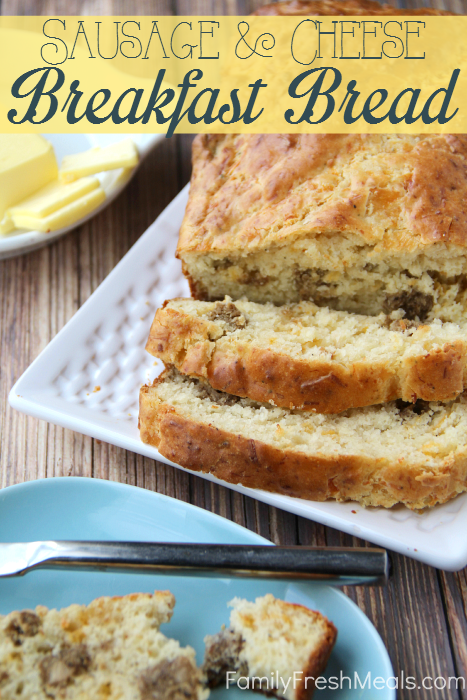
(421, 615)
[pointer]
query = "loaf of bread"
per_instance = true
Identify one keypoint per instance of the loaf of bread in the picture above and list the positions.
(365, 223)
(414, 454)
(352, 389)
(368, 223)
(345, 8)
(311, 358)
(270, 646)
(110, 649)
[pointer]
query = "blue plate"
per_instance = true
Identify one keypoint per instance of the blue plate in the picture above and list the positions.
(87, 509)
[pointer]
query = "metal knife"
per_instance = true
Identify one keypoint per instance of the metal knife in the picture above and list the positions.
(340, 566)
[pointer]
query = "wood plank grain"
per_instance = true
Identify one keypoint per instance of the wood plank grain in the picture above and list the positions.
(409, 614)
(56, 8)
(454, 588)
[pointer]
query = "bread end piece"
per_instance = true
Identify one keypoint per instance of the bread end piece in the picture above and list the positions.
(281, 648)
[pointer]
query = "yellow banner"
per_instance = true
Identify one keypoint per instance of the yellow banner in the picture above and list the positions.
(233, 74)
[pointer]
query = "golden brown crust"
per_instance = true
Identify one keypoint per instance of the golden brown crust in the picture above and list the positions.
(437, 376)
(317, 663)
(343, 7)
(254, 464)
(253, 191)
(171, 333)
(326, 386)
(318, 659)
(323, 386)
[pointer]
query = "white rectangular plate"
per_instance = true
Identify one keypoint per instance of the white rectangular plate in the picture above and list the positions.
(103, 346)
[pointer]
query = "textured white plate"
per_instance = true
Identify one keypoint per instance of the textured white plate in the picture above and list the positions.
(103, 346)
(113, 182)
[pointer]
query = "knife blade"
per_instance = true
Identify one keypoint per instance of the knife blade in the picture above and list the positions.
(341, 566)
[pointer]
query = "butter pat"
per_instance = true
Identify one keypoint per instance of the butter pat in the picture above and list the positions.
(98, 160)
(65, 216)
(27, 163)
(6, 225)
(54, 196)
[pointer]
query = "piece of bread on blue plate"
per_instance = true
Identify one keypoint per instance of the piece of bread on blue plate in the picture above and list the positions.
(270, 646)
(111, 649)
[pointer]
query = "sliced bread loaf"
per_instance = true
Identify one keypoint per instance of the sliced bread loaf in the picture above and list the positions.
(109, 649)
(311, 358)
(270, 646)
(379, 455)
(366, 223)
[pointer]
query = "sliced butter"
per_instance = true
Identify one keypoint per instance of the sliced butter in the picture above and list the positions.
(53, 197)
(27, 163)
(67, 215)
(6, 225)
(98, 160)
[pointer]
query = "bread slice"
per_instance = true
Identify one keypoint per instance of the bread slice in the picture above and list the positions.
(275, 647)
(365, 223)
(110, 649)
(414, 454)
(307, 357)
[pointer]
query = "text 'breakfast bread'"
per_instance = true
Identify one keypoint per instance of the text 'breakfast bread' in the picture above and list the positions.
(379, 455)
(307, 357)
(270, 640)
(364, 223)
(110, 649)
